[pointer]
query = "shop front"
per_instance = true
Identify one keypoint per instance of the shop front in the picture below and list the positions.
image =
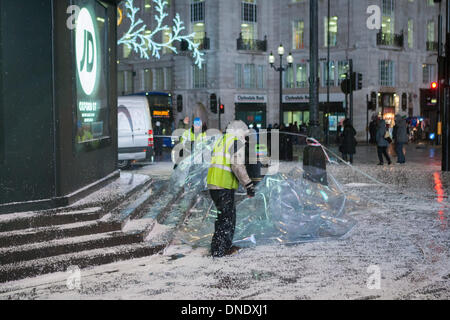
(296, 110)
(252, 109)
(389, 104)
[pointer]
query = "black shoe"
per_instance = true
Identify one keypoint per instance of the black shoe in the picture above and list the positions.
(233, 250)
(381, 164)
(389, 163)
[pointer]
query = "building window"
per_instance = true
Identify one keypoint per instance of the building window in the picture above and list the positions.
(197, 10)
(126, 51)
(343, 68)
(147, 5)
(249, 76)
(199, 77)
(148, 80)
(289, 77)
(333, 31)
(249, 26)
(410, 33)
(298, 33)
(165, 39)
(260, 77)
(159, 79)
(429, 73)
(238, 75)
(388, 22)
(430, 31)
(331, 69)
(198, 20)
(168, 78)
(301, 76)
(387, 73)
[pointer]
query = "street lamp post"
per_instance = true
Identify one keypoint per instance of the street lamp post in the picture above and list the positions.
(281, 69)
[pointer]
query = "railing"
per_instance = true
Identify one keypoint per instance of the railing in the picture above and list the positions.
(204, 44)
(432, 46)
(252, 45)
(390, 39)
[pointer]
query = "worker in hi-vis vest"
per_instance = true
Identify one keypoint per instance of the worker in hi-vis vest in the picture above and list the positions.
(192, 139)
(226, 171)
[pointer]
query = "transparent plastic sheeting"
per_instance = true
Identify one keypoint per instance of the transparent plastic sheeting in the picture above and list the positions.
(287, 208)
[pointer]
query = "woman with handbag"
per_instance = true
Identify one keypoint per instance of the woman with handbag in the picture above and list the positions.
(383, 138)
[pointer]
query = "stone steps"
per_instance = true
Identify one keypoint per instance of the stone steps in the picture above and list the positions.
(66, 245)
(84, 259)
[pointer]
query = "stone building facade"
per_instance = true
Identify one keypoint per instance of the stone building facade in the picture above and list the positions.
(397, 62)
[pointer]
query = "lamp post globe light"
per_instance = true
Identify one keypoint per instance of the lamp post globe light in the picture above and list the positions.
(281, 69)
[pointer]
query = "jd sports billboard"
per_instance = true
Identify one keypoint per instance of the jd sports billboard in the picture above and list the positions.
(91, 57)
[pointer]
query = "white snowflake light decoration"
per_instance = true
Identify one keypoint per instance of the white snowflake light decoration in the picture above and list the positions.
(139, 39)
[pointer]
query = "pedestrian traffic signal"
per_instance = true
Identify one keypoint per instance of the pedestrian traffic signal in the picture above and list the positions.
(359, 81)
(356, 79)
(222, 109)
(434, 85)
(213, 103)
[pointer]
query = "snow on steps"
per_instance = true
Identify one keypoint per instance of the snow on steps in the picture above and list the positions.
(36, 219)
(82, 260)
(30, 250)
(38, 235)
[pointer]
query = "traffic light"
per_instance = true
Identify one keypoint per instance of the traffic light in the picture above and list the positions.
(180, 103)
(346, 86)
(434, 85)
(359, 79)
(213, 103)
(356, 79)
(222, 108)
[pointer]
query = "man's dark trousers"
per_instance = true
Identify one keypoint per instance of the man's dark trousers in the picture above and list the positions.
(225, 223)
(399, 151)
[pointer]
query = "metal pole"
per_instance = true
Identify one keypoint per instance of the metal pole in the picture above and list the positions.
(220, 129)
(445, 116)
(439, 61)
(327, 124)
(314, 126)
(281, 90)
(367, 119)
(351, 91)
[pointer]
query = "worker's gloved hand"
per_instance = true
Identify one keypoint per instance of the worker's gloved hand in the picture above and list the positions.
(250, 190)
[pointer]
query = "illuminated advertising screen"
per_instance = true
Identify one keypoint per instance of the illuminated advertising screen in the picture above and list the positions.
(91, 58)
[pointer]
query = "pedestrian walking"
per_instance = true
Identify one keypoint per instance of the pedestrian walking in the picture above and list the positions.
(226, 171)
(158, 140)
(373, 130)
(348, 146)
(382, 142)
(400, 136)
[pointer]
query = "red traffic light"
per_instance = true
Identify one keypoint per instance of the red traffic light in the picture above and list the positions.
(434, 85)
(222, 108)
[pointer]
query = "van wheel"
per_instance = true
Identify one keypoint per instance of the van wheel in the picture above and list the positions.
(123, 164)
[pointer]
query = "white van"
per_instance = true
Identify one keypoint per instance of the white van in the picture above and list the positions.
(135, 131)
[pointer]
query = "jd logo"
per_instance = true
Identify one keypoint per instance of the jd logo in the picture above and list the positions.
(86, 51)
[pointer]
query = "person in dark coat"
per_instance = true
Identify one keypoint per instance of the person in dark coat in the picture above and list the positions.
(400, 135)
(382, 143)
(348, 146)
(158, 140)
(373, 131)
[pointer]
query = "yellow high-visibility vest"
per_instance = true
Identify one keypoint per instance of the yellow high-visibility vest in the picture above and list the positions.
(220, 173)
